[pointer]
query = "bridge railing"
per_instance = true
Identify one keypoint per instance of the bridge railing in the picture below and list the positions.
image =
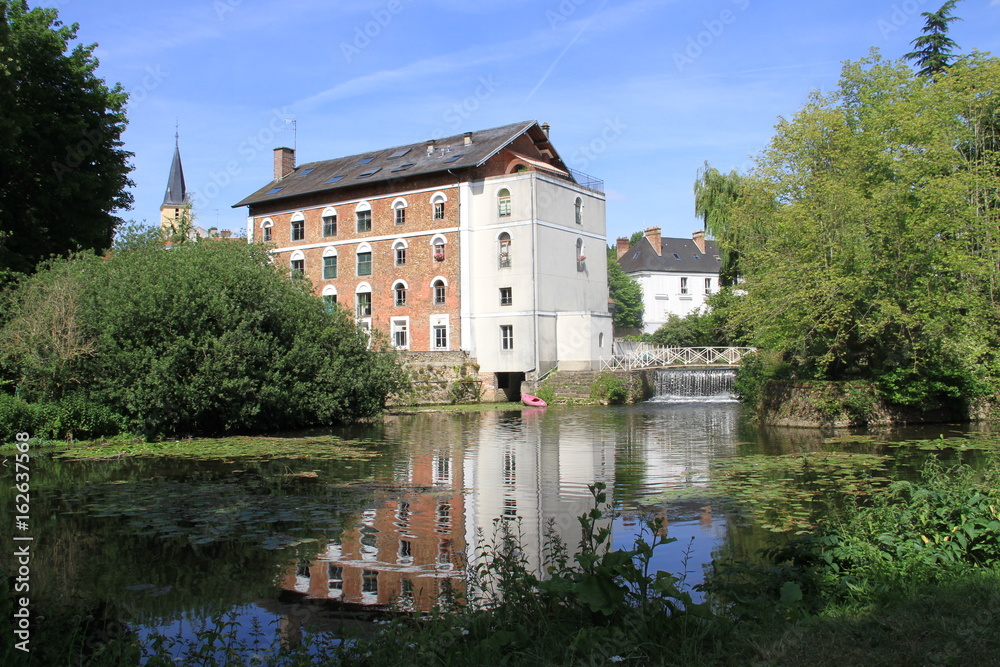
(653, 356)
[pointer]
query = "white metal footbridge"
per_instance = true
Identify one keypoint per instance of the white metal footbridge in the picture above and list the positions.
(635, 356)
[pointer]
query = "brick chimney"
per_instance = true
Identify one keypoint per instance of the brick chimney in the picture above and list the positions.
(623, 246)
(546, 129)
(653, 234)
(284, 162)
(699, 240)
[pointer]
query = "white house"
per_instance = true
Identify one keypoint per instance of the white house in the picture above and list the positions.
(676, 275)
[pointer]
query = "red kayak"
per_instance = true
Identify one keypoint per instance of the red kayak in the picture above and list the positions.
(532, 401)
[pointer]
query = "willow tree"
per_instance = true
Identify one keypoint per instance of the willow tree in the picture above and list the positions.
(715, 195)
(877, 259)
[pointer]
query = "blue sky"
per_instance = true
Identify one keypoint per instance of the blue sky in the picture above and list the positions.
(638, 92)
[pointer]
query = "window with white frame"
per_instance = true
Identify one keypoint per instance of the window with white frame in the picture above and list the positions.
(399, 211)
(506, 296)
(503, 203)
(708, 285)
(399, 290)
(579, 210)
(363, 304)
(437, 203)
(266, 230)
(506, 336)
(329, 301)
(364, 260)
(684, 285)
(440, 292)
(330, 222)
(400, 337)
(504, 249)
(298, 229)
(298, 268)
(440, 332)
(399, 252)
(363, 215)
(329, 267)
(580, 256)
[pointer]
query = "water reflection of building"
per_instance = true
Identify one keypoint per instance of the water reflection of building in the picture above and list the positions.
(405, 550)
(459, 473)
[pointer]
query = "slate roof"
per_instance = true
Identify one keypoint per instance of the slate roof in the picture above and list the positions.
(176, 194)
(398, 162)
(641, 257)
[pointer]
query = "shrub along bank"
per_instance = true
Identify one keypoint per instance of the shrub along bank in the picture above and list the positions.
(203, 338)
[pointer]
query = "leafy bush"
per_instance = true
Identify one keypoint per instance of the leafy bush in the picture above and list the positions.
(608, 388)
(546, 393)
(756, 369)
(204, 338)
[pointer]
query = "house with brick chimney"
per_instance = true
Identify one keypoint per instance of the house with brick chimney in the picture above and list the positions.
(483, 242)
(676, 274)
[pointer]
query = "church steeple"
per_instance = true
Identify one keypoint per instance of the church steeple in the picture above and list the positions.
(176, 196)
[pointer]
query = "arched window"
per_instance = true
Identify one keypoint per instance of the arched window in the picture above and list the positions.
(579, 210)
(330, 221)
(363, 300)
(364, 260)
(363, 214)
(503, 203)
(399, 252)
(440, 288)
(266, 226)
(504, 247)
(399, 290)
(437, 246)
(437, 203)
(399, 211)
(580, 256)
(329, 263)
(298, 265)
(329, 298)
(298, 227)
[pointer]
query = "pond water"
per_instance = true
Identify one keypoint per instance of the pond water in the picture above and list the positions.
(389, 513)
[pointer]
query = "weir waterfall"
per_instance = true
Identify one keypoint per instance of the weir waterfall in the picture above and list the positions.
(692, 385)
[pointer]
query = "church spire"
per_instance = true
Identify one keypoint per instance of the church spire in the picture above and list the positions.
(176, 195)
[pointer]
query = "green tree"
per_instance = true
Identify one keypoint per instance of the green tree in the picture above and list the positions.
(877, 255)
(205, 338)
(626, 293)
(933, 49)
(64, 172)
(715, 195)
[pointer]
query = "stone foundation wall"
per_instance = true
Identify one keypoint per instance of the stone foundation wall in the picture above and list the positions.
(433, 375)
(841, 404)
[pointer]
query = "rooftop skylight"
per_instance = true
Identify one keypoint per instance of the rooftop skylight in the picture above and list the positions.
(308, 171)
(403, 167)
(455, 157)
(275, 190)
(335, 179)
(676, 256)
(365, 160)
(400, 153)
(365, 174)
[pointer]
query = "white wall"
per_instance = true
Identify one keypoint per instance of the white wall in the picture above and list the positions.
(661, 294)
(555, 306)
